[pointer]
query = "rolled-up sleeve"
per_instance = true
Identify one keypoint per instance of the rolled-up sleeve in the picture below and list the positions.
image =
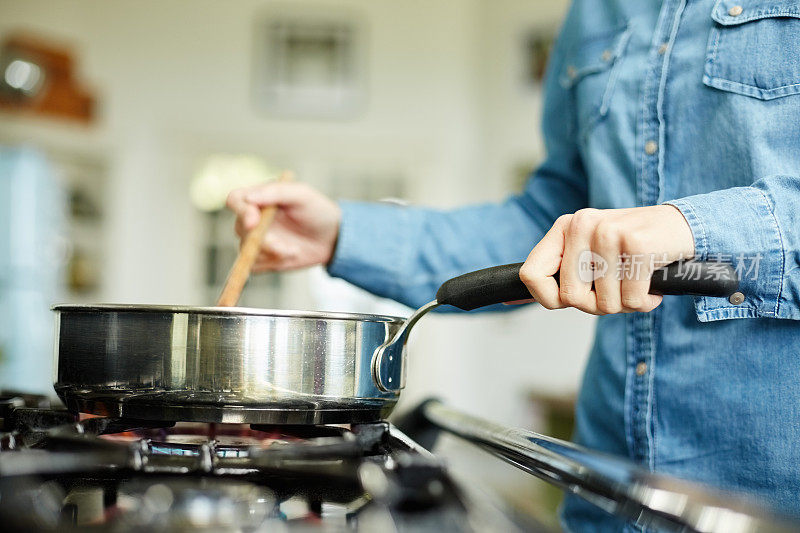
(757, 228)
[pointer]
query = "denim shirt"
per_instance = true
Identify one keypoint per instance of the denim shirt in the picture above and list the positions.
(695, 103)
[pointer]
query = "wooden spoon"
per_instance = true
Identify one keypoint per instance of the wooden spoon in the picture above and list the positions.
(248, 253)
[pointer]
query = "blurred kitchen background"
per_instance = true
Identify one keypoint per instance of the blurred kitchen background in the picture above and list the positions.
(124, 124)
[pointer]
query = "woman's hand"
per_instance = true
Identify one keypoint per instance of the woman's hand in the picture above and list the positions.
(606, 258)
(305, 228)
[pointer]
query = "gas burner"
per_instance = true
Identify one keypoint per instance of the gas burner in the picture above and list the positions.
(59, 471)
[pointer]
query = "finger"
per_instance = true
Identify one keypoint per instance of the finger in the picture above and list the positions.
(248, 202)
(267, 266)
(260, 268)
(635, 286)
(235, 200)
(246, 222)
(247, 214)
(269, 260)
(576, 265)
(607, 285)
(277, 193)
(542, 263)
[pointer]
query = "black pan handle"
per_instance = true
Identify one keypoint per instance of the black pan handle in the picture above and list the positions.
(502, 284)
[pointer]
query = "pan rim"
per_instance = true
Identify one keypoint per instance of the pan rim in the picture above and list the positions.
(223, 311)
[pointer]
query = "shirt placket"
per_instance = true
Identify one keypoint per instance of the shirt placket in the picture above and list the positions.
(641, 356)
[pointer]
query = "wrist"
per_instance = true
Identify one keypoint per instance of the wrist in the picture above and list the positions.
(682, 239)
(333, 236)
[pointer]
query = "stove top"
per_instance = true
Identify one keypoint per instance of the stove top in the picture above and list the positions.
(60, 471)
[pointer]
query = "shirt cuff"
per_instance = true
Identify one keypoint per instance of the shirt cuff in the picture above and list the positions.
(737, 226)
(373, 246)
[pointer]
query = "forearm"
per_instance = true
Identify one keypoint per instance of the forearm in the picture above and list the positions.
(405, 253)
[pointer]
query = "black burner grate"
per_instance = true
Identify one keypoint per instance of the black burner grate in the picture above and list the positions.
(58, 470)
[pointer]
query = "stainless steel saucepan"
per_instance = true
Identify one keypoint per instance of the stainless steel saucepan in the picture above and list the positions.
(218, 364)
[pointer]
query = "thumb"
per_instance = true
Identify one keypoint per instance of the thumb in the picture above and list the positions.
(250, 215)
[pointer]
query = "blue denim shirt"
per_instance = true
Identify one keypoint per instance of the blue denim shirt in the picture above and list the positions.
(691, 102)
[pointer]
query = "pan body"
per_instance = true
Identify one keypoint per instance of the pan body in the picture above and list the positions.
(231, 365)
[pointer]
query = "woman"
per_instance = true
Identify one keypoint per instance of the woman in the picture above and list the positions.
(672, 130)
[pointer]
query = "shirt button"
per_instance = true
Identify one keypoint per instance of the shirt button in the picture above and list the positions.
(737, 298)
(735, 11)
(606, 56)
(650, 147)
(641, 369)
(663, 49)
(572, 72)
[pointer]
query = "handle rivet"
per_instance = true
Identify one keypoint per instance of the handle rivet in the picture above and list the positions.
(736, 298)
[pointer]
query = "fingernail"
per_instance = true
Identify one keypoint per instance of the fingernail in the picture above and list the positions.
(520, 302)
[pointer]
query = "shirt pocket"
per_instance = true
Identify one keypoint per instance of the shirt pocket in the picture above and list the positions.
(754, 48)
(590, 72)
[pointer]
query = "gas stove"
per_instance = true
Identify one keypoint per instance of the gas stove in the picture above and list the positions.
(60, 470)
(63, 471)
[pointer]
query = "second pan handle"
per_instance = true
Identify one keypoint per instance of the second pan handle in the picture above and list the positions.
(502, 284)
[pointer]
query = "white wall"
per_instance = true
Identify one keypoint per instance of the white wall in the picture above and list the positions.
(444, 105)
